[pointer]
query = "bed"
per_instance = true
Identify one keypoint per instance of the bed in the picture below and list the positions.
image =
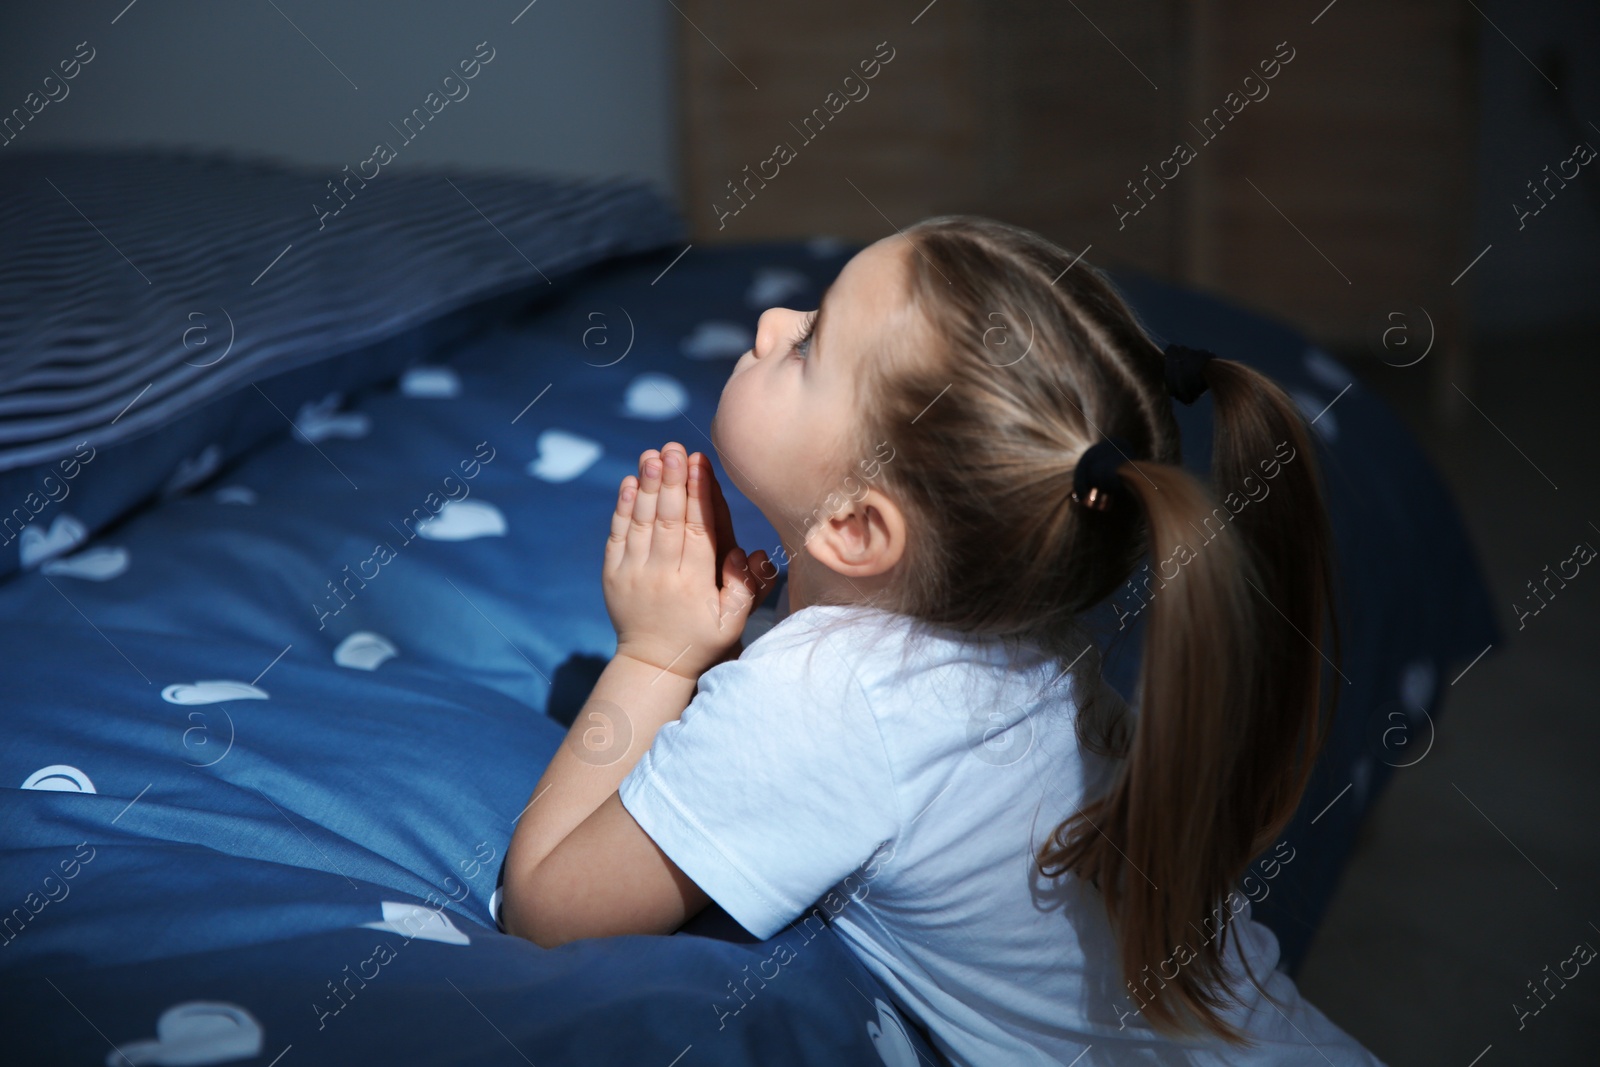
(286, 650)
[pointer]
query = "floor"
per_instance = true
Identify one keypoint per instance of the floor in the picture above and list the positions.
(1478, 875)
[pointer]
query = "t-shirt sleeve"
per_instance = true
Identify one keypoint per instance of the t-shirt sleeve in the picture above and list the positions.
(773, 785)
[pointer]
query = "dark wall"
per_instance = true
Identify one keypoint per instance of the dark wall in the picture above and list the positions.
(1543, 276)
(581, 89)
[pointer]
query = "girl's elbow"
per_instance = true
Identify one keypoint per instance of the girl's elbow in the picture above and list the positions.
(524, 912)
(512, 922)
(540, 936)
(516, 912)
(530, 928)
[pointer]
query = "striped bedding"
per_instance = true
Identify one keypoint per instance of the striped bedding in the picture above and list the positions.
(138, 286)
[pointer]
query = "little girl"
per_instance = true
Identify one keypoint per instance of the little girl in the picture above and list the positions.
(965, 448)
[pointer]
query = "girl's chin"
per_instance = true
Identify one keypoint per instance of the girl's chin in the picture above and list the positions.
(712, 432)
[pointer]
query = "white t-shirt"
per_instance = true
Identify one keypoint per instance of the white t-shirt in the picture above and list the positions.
(834, 769)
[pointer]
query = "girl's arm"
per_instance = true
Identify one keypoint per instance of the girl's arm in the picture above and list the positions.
(578, 890)
(578, 865)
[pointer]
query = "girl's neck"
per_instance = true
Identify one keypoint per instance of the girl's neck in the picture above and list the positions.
(810, 582)
(794, 587)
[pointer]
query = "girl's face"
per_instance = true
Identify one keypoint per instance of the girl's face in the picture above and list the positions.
(790, 408)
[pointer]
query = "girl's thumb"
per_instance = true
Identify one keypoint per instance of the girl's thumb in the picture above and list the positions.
(734, 566)
(760, 585)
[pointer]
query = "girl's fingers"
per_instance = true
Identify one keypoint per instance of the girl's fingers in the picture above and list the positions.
(743, 575)
(699, 544)
(621, 520)
(724, 520)
(734, 597)
(743, 589)
(761, 584)
(642, 526)
(666, 541)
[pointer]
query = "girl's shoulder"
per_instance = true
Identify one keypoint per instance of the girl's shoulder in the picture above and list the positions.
(819, 620)
(893, 656)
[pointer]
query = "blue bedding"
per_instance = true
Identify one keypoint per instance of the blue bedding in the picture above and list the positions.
(291, 714)
(135, 343)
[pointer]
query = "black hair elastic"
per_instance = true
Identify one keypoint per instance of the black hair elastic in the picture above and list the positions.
(1096, 481)
(1186, 372)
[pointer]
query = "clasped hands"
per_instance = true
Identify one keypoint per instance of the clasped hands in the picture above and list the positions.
(677, 586)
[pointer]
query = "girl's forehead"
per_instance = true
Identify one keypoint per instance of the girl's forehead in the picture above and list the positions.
(873, 286)
(868, 313)
(880, 260)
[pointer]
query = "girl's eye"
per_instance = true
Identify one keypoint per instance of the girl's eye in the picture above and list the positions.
(802, 344)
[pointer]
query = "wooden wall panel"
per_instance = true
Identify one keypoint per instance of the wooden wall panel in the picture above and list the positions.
(1041, 113)
(1083, 108)
(909, 145)
(1363, 145)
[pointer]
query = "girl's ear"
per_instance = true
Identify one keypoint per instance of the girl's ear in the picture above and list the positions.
(864, 538)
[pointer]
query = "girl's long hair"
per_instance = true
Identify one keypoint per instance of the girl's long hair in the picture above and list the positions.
(1022, 358)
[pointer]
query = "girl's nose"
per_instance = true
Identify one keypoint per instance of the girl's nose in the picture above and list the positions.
(764, 332)
(769, 331)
